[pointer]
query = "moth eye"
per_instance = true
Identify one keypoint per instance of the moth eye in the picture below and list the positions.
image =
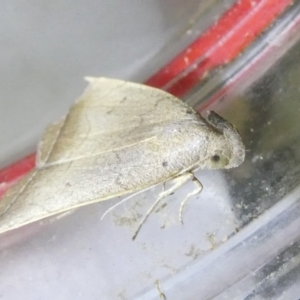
(219, 161)
(216, 158)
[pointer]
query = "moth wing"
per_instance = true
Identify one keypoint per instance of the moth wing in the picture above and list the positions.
(110, 114)
(47, 141)
(96, 152)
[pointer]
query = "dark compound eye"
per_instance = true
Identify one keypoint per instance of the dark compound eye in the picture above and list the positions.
(216, 158)
(219, 161)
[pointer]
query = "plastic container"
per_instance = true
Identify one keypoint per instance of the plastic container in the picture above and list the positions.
(240, 239)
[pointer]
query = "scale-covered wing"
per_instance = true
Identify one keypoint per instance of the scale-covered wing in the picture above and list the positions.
(106, 146)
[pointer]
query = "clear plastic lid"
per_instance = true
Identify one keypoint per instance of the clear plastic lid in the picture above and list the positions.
(240, 238)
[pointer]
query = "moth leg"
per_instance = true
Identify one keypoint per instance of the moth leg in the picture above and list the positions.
(197, 191)
(181, 180)
(161, 294)
(164, 186)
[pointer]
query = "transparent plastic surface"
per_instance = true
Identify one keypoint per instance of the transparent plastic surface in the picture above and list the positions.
(240, 238)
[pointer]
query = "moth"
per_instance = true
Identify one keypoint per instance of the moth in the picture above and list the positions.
(119, 138)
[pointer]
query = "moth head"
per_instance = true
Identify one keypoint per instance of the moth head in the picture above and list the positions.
(226, 149)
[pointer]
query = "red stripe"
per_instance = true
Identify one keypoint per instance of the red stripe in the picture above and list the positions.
(12, 173)
(220, 44)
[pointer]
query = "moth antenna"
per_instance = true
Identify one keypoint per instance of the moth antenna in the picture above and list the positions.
(124, 200)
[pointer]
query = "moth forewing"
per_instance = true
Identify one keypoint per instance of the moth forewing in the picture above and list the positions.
(118, 138)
